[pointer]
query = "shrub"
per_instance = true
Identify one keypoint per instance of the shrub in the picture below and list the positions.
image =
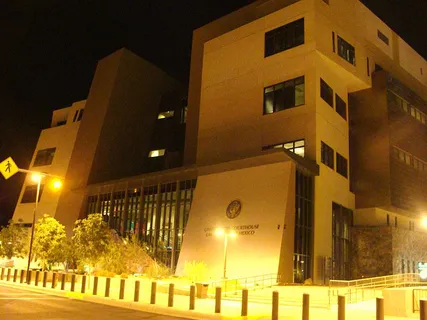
(157, 271)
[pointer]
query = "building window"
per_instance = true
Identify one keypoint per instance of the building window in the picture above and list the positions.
(156, 153)
(284, 37)
(342, 221)
(368, 67)
(30, 194)
(44, 157)
(327, 155)
(342, 165)
(341, 107)
(383, 37)
(296, 147)
(78, 115)
(346, 51)
(388, 219)
(303, 236)
(333, 41)
(395, 100)
(395, 222)
(184, 115)
(166, 114)
(326, 93)
(284, 95)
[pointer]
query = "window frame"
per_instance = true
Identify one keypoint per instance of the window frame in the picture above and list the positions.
(41, 159)
(325, 85)
(280, 39)
(342, 165)
(327, 155)
(346, 51)
(284, 85)
(341, 106)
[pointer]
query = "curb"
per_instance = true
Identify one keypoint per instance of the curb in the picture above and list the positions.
(139, 306)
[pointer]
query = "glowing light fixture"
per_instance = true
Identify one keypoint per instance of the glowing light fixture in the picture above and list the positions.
(36, 177)
(57, 184)
(424, 222)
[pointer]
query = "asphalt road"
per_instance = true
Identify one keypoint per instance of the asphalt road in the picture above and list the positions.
(17, 304)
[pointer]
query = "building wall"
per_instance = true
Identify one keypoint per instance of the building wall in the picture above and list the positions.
(115, 136)
(370, 138)
(372, 251)
(265, 243)
(62, 137)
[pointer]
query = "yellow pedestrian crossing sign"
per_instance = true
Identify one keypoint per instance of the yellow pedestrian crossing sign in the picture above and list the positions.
(8, 168)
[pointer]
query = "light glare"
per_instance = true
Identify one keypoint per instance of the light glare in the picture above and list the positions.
(219, 232)
(36, 177)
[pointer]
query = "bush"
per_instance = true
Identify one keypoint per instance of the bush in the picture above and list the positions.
(157, 271)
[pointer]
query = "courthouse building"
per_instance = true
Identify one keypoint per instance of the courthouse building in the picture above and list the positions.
(305, 133)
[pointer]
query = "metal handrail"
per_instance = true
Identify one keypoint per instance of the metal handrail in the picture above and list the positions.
(357, 290)
(235, 285)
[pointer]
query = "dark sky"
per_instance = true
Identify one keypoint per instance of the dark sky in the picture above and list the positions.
(49, 51)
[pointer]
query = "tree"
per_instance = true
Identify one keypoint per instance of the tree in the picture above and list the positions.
(13, 241)
(49, 241)
(91, 239)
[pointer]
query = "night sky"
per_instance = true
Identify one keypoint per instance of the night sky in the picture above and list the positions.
(49, 51)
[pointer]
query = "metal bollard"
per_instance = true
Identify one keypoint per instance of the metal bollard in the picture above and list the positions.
(44, 279)
(95, 286)
(244, 302)
(83, 288)
(122, 289)
(107, 287)
(2, 274)
(63, 281)
(170, 296)
(53, 280)
(218, 299)
(36, 281)
(136, 293)
(28, 277)
(73, 282)
(21, 276)
(275, 306)
(380, 309)
(8, 274)
(192, 296)
(305, 306)
(153, 292)
(423, 309)
(15, 275)
(341, 307)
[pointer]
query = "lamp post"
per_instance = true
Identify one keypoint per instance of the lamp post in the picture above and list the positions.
(219, 233)
(37, 177)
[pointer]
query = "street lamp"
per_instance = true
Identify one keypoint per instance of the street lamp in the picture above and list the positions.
(226, 234)
(37, 177)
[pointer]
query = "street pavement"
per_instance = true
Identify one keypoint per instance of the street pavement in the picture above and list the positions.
(17, 304)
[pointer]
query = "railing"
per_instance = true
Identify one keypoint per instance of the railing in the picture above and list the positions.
(417, 295)
(364, 289)
(235, 286)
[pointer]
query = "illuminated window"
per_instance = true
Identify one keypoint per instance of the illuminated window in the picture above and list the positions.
(285, 37)
(346, 51)
(165, 114)
(284, 95)
(156, 153)
(44, 157)
(297, 147)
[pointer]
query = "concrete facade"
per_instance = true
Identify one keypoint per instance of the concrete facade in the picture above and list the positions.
(62, 136)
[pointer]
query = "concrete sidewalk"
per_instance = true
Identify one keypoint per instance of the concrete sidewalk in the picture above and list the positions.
(204, 308)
